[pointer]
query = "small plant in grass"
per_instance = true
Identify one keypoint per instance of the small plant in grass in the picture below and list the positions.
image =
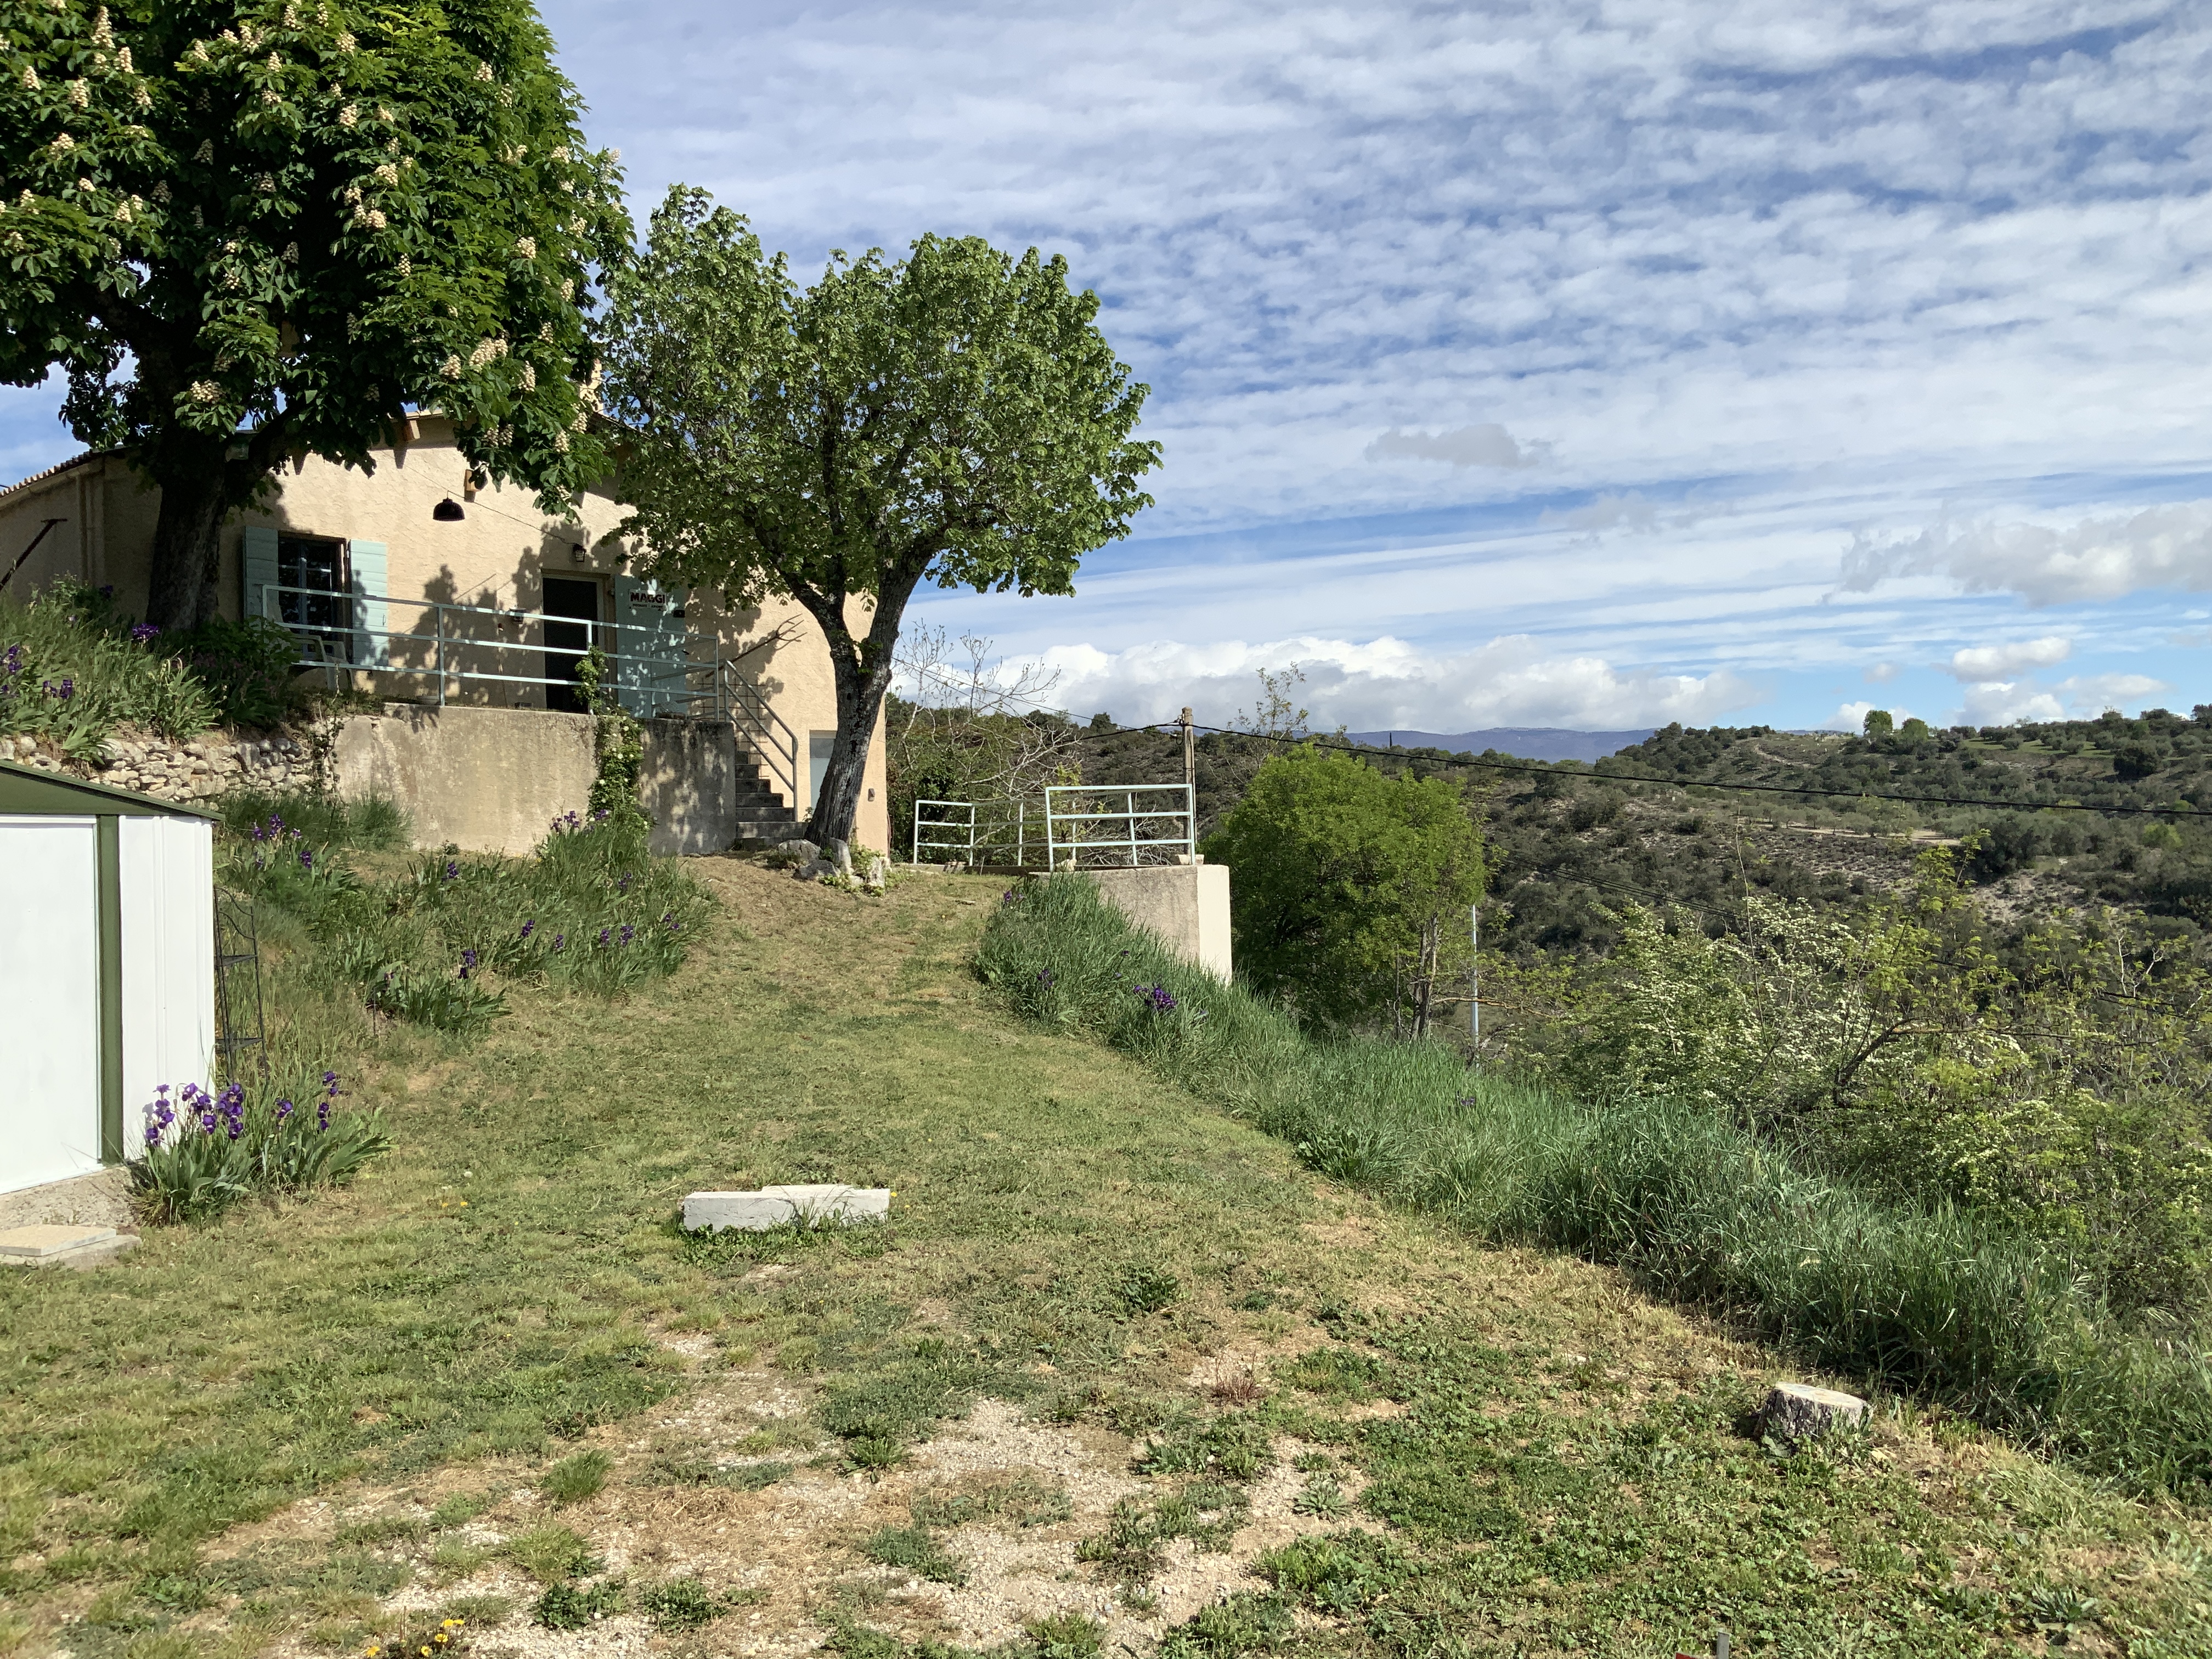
(203, 1153)
(458, 1509)
(568, 1607)
(448, 1635)
(550, 1554)
(678, 1605)
(1066, 1636)
(1143, 1288)
(1322, 1496)
(573, 1479)
(1251, 1623)
(911, 1549)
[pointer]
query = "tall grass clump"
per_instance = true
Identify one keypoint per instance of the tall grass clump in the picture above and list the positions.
(1932, 1299)
(71, 672)
(438, 942)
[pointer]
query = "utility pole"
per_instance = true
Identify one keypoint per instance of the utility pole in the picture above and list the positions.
(1190, 778)
(1474, 976)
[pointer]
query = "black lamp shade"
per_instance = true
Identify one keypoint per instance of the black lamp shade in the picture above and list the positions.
(448, 512)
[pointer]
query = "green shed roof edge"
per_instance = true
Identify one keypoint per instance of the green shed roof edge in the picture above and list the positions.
(68, 795)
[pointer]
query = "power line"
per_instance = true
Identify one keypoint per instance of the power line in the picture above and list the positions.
(1739, 788)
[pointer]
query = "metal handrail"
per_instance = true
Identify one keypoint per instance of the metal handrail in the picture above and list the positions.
(1081, 818)
(742, 703)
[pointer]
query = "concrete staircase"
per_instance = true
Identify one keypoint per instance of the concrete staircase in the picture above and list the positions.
(764, 816)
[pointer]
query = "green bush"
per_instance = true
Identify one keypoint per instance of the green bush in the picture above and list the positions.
(71, 672)
(247, 668)
(1936, 1298)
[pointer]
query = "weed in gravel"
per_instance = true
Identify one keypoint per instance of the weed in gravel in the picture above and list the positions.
(571, 1606)
(551, 1553)
(679, 1604)
(911, 1549)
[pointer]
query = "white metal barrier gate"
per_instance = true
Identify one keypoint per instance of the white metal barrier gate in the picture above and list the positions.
(1068, 824)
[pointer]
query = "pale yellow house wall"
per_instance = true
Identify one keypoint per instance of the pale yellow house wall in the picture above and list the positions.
(496, 555)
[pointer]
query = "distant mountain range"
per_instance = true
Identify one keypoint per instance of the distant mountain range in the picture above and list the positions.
(1543, 743)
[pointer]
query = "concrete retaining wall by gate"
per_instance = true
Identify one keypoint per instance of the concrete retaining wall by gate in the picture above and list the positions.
(1187, 905)
(687, 785)
(487, 780)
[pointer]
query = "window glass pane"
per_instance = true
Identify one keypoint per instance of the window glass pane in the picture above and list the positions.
(325, 612)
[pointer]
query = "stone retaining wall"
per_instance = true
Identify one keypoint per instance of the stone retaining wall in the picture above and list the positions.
(209, 765)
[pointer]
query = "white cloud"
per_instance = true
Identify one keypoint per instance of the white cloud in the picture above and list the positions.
(1883, 673)
(2002, 702)
(2102, 557)
(1984, 663)
(1487, 445)
(1385, 683)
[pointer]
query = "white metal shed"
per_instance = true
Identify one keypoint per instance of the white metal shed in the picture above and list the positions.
(107, 966)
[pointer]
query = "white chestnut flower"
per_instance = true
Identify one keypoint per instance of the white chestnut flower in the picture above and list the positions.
(349, 115)
(529, 377)
(451, 368)
(204, 391)
(525, 247)
(388, 173)
(484, 71)
(80, 95)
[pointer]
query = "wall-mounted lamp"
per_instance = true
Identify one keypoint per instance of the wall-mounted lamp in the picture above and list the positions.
(448, 512)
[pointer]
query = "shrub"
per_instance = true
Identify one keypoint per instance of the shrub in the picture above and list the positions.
(246, 668)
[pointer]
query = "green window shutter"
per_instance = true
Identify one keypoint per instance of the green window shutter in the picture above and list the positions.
(257, 573)
(371, 648)
(649, 646)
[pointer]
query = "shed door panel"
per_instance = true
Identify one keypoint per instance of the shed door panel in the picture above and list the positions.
(49, 1000)
(168, 872)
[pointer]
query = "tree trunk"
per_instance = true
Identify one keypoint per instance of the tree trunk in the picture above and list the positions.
(188, 548)
(863, 670)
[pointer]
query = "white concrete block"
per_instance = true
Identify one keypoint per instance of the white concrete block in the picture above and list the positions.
(54, 1246)
(821, 1205)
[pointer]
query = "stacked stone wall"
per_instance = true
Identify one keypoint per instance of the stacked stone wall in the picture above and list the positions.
(197, 770)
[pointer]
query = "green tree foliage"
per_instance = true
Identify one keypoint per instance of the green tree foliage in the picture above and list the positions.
(955, 416)
(2058, 1084)
(1352, 888)
(1878, 723)
(250, 229)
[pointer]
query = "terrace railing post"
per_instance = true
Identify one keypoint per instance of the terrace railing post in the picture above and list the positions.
(440, 613)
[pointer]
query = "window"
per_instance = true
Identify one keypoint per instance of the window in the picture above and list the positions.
(325, 612)
(820, 745)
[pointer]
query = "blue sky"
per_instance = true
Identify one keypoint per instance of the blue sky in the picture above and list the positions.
(1589, 364)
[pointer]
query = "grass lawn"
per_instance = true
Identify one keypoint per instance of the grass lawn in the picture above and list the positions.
(1119, 1369)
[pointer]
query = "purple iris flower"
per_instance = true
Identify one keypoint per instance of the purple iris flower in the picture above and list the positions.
(628, 933)
(560, 939)
(145, 633)
(468, 961)
(529, 927)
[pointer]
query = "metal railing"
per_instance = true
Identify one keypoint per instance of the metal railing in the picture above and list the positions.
(1070, 826)
(451, 643)
(993, 833)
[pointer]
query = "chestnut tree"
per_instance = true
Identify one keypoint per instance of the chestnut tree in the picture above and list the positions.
(247, 230)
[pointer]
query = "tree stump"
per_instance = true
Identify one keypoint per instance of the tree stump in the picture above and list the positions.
(1798, 1411)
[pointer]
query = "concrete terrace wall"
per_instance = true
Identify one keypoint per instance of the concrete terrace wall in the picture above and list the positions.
(1185, 905)
(687, 785)
(486, 779)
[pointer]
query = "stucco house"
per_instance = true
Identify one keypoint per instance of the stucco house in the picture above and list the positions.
(452, 601)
